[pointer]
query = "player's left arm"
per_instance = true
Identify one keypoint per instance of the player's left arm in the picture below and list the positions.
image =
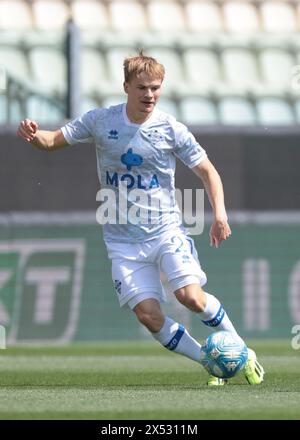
(220, 229)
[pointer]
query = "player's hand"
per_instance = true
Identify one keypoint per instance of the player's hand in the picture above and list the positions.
(27, 130)
(219, 231)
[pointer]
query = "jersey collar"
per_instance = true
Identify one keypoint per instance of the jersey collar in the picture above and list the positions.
(133, 124)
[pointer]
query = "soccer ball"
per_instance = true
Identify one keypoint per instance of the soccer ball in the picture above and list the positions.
(223, 354)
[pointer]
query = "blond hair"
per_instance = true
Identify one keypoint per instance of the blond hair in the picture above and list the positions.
(135, 65)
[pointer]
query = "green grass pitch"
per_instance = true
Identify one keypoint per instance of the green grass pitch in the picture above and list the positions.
(141, 381)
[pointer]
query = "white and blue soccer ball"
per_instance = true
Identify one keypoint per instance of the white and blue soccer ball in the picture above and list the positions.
(223, 354)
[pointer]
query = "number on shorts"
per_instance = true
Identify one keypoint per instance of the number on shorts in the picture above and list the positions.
(191, 244)
(181, 243)
(178, 239)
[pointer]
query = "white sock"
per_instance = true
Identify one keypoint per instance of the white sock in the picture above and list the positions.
(215, 316)
(176, 338)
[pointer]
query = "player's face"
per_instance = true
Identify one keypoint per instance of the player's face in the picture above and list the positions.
(143, 92)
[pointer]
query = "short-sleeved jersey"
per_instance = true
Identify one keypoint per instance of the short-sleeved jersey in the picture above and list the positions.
(136, 165)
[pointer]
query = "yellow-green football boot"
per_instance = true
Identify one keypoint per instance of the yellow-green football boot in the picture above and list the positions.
(214, 381)
(254, 372)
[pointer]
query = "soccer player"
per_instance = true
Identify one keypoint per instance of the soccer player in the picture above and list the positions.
(136, 147)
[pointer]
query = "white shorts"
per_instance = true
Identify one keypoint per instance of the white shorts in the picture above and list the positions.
(136, 267)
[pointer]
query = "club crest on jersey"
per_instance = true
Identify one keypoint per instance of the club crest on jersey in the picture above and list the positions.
(155, 136)
(113, 134)
(131, 159)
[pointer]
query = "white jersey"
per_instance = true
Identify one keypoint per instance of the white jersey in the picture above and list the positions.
(141, 158)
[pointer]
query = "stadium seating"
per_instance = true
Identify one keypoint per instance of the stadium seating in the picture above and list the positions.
(198, 111)
(240, 67)
(88, 104)
(226, 61)
(16, 63)
(297, 111)
(90, 14)
(15, 111)
(42, 60)
(164, 15)
(3, 116)
(240, 17)
(114, 58)
(168, 105)
(50, 14)
(15, 15)
(127, 16)
(202, 67)
(236, 111)
(42, 110)
(276, 67)
(203, 16)
(93, 72)
(278, 17)
(274, 111)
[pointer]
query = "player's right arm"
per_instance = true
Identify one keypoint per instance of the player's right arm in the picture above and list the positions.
(45, 140)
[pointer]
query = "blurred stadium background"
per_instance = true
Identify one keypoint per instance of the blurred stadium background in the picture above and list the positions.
(232, 75)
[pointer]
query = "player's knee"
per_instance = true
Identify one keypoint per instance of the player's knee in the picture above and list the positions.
(195, 304)
(151, 320)
(194, 301)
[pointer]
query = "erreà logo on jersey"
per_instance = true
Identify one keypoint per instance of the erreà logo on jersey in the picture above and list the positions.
(131, 159)
(113, 134)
